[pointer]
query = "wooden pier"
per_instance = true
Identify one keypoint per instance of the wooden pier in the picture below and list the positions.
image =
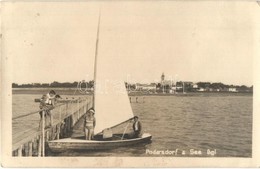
(29, 134)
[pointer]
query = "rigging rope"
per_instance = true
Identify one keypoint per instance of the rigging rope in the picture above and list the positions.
(125, 130)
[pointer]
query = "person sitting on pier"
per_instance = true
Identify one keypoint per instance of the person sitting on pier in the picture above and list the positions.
(89, 124)
(137, 127)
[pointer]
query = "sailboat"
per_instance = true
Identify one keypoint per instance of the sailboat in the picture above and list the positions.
(113, 113)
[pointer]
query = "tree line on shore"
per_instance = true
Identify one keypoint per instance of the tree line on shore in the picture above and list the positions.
(189, 86)
(55, 84)
(207, 86)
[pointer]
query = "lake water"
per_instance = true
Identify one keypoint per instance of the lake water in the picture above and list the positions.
(197, 124)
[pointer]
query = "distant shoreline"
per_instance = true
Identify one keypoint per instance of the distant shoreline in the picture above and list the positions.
(71, 91)
(41, 91)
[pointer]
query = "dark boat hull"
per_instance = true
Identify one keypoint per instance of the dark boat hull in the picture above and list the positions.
(80, 144)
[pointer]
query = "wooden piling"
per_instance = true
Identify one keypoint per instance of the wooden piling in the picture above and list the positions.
(78, 107)
(68, 125)
(20, 149)
(60, 113)
(30, 148)
(35, 150)
(26, 149)
(43, 135)
(67, 105)
(70, 122)
(40, 146)
(47, 135)
(62, 129)
(53, 133)
(58, 131)
(72, 119)
(15, 153)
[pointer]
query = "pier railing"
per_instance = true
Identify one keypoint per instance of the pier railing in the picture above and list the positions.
(31, 135)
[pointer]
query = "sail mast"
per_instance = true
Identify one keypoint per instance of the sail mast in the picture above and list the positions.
(95, 64)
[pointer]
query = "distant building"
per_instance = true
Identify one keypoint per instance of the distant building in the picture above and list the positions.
(179, 87)
(148, 87)
(232, 89)
(165, 82)
(195, 86)
(201, 89)
(216, 90)
(173, 87)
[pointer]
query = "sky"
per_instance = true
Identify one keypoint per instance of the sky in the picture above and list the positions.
(188, 41)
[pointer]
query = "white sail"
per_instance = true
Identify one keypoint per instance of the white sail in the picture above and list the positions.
(112, 104)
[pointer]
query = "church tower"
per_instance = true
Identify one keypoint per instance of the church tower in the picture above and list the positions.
(162, 77)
